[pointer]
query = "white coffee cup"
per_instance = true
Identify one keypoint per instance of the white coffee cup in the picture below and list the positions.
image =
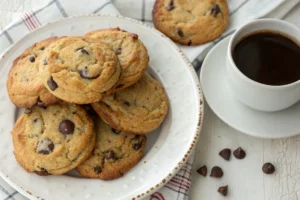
(254, 94)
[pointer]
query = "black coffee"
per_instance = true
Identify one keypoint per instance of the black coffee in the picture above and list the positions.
(269, 58)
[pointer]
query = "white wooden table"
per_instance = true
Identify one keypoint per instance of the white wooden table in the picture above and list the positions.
(245, 178)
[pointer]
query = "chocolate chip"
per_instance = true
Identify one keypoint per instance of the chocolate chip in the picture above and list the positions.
(110, 154)
(43, 172)
(216, 172)
(137, 146)
(119, 86)
(126, 103)
(82, 50)
(134, 36)
(215, 9)
(179, 32)
(170, 6)
(116, 131)
(45, 62)
(190, 43)
(66, 127)
(202, 170)
(27, 111)
(225, 153)
(85, 74)
(97, 170)
(52, 84)
(41, 104)
(45, 147)
(42, 48)
(239, 153)
(118, 51)
(223, 190)
(268, 168)
(32, 59)
(35, 120)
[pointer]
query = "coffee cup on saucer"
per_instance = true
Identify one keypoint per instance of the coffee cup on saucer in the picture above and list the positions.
(263, 64)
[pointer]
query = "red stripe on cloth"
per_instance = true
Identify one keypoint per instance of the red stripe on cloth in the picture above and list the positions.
(187, 171)
(35, 19)
(179, 179)
(160, 194)
(30, 20)
(180, 183)
(185, 193)
(26, 23)
(186, 178)
(156, 196)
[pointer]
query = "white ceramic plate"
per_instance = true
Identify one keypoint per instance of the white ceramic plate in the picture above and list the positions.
(218, 95)
(168, 147)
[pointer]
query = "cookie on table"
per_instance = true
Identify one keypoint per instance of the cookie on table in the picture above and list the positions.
(24, 85)
(80, 70)
(115, 153)
(53, 140)
(138, 109)
(191, 22)
(131, 52)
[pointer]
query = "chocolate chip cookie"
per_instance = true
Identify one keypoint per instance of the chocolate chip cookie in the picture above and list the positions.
(131, 52)
(115, 153)
(191, 22)
(80, 70)
(53, 139)
(138, 109)
(24, 85)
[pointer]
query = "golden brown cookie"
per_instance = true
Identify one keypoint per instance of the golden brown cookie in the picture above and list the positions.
(191, 22)
(138, 109)
(24, 85)
(131, 52)
(80, 70)
(115, 153)
(53, 140)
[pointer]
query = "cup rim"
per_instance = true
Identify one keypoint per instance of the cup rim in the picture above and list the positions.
(236, 69)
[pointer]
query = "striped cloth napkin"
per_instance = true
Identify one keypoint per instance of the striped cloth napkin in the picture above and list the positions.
(241, 11)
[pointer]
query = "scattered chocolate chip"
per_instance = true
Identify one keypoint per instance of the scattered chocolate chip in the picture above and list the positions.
(85, 74)
(268, 168)
(216, 172)
(45, 62)
(126, 103)
(45, 147)
(137, 146)
(223, 190)
(119, 86)
(41, 104)
(190, 43)
(35, 120)
(66, 127)
(118, 51)
(84, 51)
(134, 36)
(239, 153)
(43, 172)
(225, 153)
(110, 154)
(179, 32)
(52, 84)
(215, 9)
(42, 48)
(171, 5)
(97, 170)
(32, 59)
(27, 111)
(115, 131)
(202, 170)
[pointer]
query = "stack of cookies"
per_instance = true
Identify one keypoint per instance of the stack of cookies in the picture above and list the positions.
(88, 104)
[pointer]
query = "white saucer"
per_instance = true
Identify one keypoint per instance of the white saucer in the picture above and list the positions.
(213, 77)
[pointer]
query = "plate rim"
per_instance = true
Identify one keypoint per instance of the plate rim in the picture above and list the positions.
(194, 78)
(243, 131)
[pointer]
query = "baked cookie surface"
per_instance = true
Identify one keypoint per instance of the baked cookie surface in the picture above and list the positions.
(53, 140)
(24, 85)
(115, 153)
(80, 70)
(131, 52)
(138, 109)
(191, 22)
